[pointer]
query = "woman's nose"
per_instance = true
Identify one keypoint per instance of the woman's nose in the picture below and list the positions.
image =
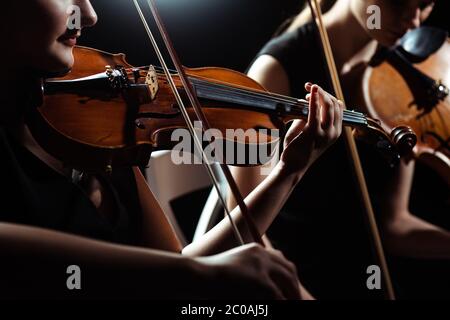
(88, 15)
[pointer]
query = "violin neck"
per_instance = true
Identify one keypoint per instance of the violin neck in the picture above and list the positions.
(287, 108)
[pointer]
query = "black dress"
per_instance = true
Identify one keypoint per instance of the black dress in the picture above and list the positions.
(322, 227)
(34, 194)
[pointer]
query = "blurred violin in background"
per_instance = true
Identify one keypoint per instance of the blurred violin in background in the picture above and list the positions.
(409, 85)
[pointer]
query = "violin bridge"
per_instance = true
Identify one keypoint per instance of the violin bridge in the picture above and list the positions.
(152, 82)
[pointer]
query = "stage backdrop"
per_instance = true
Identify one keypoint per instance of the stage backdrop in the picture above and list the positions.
(226, 33)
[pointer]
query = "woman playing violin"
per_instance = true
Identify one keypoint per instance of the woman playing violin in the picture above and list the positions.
(321, 210)
(105, 224)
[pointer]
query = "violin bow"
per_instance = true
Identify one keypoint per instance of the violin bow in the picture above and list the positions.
(195, 103)
(377, 245)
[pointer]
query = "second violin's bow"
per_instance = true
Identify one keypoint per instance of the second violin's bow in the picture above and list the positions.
(354, 156)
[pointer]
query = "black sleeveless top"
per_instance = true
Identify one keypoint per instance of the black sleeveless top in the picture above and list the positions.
(34, 194)
(322, 226)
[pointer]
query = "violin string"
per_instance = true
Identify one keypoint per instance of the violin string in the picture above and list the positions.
(350, 117)
(297, 105)
(274, 97)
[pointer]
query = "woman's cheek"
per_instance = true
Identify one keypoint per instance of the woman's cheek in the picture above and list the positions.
(55, 54)
(58, 12)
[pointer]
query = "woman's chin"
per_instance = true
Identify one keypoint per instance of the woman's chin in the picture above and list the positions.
(66, 57)
(62, 61)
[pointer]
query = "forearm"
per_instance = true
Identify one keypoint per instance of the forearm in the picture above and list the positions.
(263, 203)
(413, 237)
(304, 143)
(34, 263)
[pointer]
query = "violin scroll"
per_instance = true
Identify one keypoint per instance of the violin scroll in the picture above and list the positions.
(391, 146)
(404, 138)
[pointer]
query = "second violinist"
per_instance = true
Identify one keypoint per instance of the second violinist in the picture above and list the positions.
(321, 227)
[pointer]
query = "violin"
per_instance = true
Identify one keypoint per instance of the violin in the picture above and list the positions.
(409, 85)
(106, 113)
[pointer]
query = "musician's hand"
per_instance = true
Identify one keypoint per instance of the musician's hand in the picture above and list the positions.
(251, 272)
(307, 140)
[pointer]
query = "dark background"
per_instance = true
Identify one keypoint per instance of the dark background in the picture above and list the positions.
(225, 33)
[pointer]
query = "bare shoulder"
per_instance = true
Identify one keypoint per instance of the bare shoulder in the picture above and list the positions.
(270, 73)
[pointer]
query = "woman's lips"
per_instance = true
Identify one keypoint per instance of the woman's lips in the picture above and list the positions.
(71, 42)
(69, 39)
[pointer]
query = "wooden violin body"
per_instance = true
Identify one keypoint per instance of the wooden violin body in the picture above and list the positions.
(94, 127)
(399, 92)
(106, 113)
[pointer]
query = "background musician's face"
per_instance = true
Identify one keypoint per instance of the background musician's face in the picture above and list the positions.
(397, 17)
(38, 34)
